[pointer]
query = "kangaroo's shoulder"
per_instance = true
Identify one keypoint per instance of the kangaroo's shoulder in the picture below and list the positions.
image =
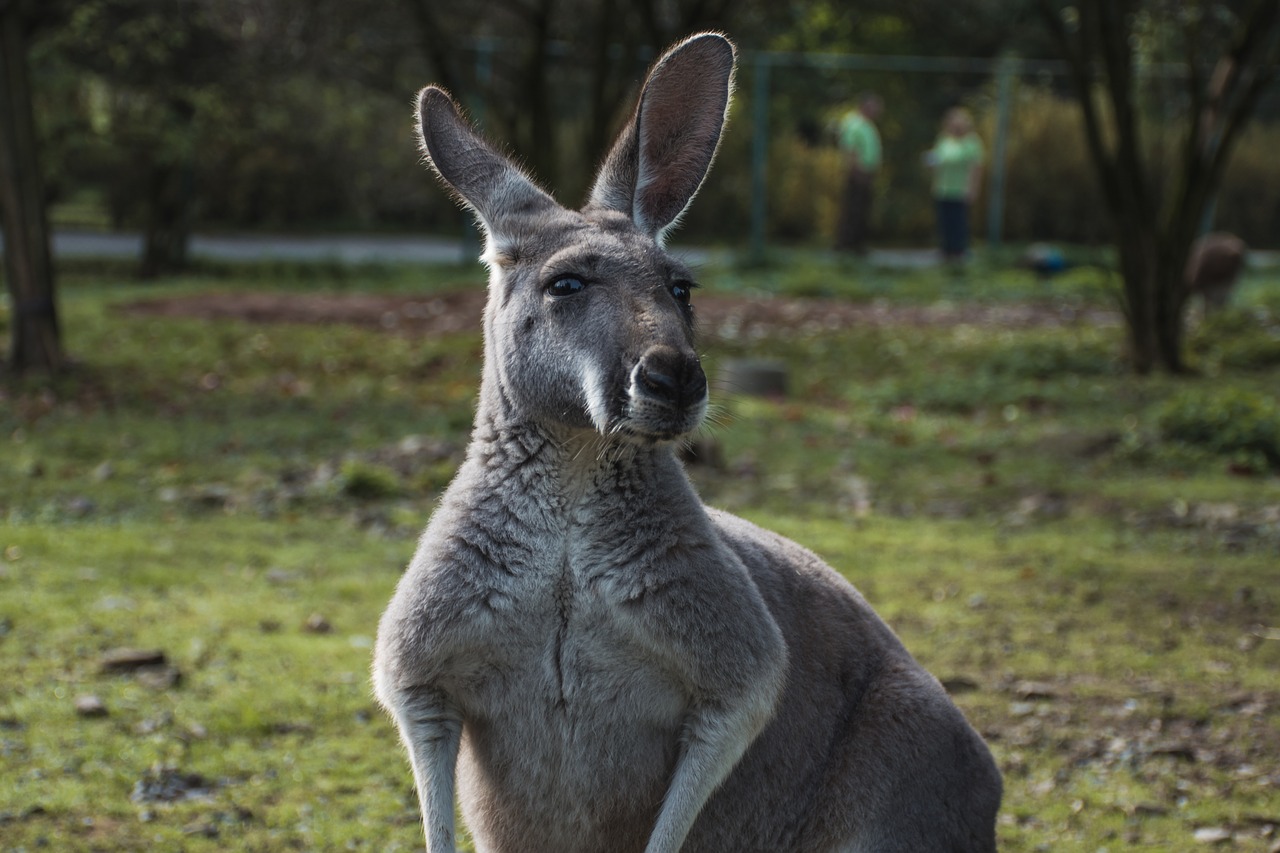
(761, 548)
(803, 592)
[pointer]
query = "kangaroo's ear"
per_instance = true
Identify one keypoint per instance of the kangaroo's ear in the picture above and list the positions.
(503, 197)
(659, 161)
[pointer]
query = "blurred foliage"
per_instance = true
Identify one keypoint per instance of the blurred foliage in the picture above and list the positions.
(1051, 192)
(1243, 338)
(363, 481)
(1240, 424)
(291, 114)
(1248, 202)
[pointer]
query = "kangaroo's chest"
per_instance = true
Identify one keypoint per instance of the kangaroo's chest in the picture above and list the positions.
(570, 627)
(572, 696)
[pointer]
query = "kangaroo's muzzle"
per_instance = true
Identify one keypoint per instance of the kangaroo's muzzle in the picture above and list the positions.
(671, 377)
(668, 393)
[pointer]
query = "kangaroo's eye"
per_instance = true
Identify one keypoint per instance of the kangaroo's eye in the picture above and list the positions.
(565, 286)
(681, 291)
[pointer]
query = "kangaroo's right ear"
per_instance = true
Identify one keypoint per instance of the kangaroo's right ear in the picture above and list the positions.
(503, 197)
(661, 157)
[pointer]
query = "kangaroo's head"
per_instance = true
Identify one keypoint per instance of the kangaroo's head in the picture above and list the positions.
(589, 324)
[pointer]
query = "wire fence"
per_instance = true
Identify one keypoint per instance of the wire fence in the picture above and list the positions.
(779, 173)
(1039, 183)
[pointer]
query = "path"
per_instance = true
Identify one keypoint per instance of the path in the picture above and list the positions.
(361, 248)
(364, 248)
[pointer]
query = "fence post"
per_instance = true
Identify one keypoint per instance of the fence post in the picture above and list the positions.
(759, 153)
(1006, 72)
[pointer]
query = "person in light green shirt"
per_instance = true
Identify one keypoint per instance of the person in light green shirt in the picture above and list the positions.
(956, 161)
(859, 141)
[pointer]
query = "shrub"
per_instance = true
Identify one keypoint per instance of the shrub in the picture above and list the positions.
(366, 482)
(1239, 424)
(804, 199)
(1052, 358)
(1238, 339)
(1051, 190)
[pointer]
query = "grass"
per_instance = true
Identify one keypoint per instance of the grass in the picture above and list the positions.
(1099, 595)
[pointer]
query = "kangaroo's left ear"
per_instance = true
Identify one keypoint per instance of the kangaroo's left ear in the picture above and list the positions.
(660, 159)
(502, 196)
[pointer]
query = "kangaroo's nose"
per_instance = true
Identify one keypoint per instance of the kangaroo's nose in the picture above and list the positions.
(671, 376)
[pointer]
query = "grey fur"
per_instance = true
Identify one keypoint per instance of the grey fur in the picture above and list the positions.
(603, 663)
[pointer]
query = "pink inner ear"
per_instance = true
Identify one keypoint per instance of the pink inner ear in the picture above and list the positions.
(681, 115)
(658, 163)
(675, 154)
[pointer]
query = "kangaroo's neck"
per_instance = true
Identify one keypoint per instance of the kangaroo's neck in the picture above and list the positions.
(565, 472)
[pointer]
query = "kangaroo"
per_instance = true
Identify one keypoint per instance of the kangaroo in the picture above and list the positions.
(602, 663)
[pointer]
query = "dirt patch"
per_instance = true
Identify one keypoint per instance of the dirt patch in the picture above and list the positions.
(437, 314)
(725, 316)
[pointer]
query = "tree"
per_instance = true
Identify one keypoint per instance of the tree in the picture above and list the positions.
(542, 46)
(35, 342)
(1229, 53)
(163, 60)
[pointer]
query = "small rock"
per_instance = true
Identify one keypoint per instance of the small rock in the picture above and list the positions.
(159, 677)
(80, 507)
(1149, 810)
(152, 725)
(754, 377)
(201, 829)
(169, 785)
(959, 684)
(280, 576)
(1034, 690)
(1212, 835)
(88, 705)
(212, 496)
(124, 660)
(1175, 749)
(317, 624)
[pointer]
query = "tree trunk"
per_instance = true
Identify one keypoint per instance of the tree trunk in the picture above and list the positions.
(35, 343)
(1152, 269)
(543, 159)
(1153, 239)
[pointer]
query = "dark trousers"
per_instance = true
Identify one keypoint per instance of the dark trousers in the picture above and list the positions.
(855, 212)
(953, 226)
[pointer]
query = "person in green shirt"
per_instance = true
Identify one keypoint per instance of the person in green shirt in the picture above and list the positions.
(859, 141)
(956, 161)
